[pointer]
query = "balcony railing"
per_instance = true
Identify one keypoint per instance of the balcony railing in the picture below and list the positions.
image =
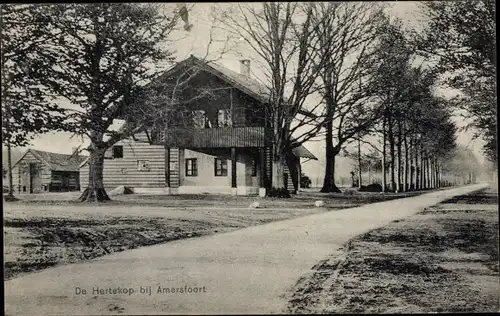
(214, 137)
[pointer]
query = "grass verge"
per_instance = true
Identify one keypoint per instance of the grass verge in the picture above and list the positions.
(444, 259)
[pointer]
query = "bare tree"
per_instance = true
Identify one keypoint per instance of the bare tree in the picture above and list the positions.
(284, 37)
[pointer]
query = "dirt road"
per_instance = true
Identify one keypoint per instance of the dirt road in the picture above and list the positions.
(245, 271)
(49, 229)
(443, 259)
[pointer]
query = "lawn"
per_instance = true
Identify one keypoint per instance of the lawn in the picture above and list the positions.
(444, 259)
(43, 230)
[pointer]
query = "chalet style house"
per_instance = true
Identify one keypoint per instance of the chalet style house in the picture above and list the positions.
(41, 171)
(214, 144)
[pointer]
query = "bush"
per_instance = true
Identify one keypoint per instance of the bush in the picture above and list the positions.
(279, 193)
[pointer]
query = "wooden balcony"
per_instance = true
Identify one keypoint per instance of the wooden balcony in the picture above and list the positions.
(226, 137)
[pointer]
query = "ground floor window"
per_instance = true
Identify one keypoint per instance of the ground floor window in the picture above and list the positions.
(191, 167)
(220, 167)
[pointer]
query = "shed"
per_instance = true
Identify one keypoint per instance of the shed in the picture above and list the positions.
(41, 171)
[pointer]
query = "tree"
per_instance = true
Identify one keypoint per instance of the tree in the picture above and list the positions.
(393, 59)
(283, 36)
(416, 123)
(104, 55)
(461, 37)
(347, 32)
(27, 106)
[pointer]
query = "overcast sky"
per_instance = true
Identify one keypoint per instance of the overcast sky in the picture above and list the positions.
(195, 42)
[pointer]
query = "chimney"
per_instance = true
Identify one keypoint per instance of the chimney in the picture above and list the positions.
(245, 67)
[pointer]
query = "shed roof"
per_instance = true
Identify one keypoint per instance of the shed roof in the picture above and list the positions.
(55, 161)
(302, 152)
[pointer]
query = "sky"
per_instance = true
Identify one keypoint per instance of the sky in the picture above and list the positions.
(196, 42)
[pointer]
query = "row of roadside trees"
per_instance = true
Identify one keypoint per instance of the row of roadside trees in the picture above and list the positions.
(349, 64)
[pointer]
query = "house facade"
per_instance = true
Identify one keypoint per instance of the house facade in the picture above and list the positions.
(40, 171)
(136, 164)
(215, 143)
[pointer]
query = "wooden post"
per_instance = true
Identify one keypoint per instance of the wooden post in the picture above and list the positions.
(167, 156)
(231, 107)
(234, 189)
(174, 170)
(167, 169)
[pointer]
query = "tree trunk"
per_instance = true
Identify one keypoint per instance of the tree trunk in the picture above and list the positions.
(434, 182)
(400, 159)
(370, 174)
(95, 191)
(331, 151)
(440, 176)
(431, 174)
(278, 178)
(384, 154)
(406, 186)
(415, 164)
(393, 154)
(411, 163)
(436, 174)
(433, 171)
(278, 174)
(329, 180)
(10, 195)
(422, 171)
(417, 170)
(427, 173)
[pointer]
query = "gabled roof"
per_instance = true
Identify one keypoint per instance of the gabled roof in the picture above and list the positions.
(242, 82)
(55, 161)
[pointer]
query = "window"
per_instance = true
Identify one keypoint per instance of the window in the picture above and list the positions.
(143, 165)
(117, 151)
(224, 118)
(254, 167)
(191, 167)
(220, 167)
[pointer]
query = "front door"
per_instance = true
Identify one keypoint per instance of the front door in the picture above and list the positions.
(33, 175)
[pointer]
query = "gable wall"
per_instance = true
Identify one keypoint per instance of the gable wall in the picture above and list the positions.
(21, 174)
(245, 109)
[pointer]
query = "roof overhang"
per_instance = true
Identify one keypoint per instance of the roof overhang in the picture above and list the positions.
(302, 152)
